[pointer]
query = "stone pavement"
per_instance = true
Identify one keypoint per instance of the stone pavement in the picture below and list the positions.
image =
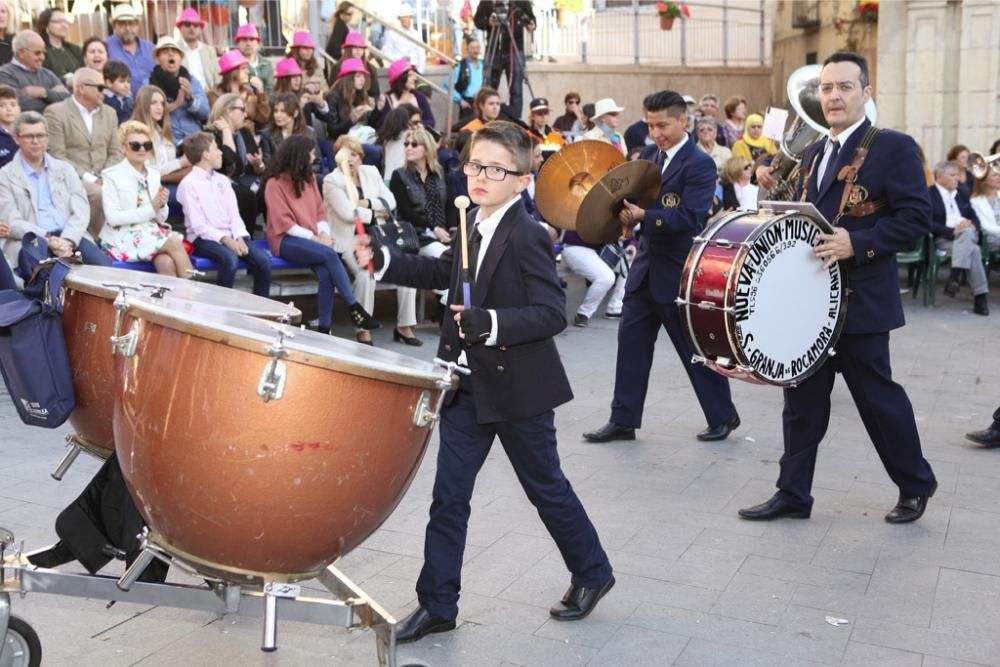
(696, 585)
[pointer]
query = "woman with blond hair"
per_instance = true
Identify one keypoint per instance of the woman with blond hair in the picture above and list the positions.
(151, 111)
(420, 192)
(737, 192)
(374, 204)
(135, 208)
(243, 159)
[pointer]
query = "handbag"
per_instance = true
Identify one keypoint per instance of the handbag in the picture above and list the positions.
(399, 234)
(34, 361)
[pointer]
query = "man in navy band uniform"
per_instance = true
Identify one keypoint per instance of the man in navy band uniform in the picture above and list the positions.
(686, 189)
(886, 211)
(506, 339)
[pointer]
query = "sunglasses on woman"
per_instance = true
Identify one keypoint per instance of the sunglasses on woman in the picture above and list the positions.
(412, 144)
(137, 146)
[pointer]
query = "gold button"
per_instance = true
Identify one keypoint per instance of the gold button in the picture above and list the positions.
(447, 348)
(659, 223)
(871, 253)
(500, 368)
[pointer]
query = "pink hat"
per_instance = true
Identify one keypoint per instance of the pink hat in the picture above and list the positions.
(303, 39)
(286, 68)
(247, 31)
(399, 68)
(230, 60)
(352, 66)
(190, 15)
(354, 39)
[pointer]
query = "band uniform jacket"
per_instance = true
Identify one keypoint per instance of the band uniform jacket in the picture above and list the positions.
(522, 376)
(892, 172)
(687, 188)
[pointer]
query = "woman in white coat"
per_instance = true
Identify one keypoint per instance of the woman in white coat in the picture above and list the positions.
(375, 202)
(135, 208)
(986, 205)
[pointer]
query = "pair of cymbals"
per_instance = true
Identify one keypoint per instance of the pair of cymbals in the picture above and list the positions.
(582, 187)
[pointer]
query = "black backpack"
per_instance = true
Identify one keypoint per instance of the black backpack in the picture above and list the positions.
(464, 75)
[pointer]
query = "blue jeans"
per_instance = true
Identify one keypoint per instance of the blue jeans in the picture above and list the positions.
(330, 273)
(258, 261)
(91, 254)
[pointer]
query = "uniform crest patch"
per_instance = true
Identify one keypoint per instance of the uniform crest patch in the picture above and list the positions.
(671, 200)
(858, 195)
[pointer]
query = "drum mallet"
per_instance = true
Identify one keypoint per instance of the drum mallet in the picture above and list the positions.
(462, 203)
(343, 159)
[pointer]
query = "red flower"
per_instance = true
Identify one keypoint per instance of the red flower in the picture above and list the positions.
(685, 10)
(661, 8)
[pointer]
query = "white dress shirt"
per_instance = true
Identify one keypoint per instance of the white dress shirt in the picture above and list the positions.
(193, 63)
(950, 205)
(828, 149)
(87, 115)
(671, 152)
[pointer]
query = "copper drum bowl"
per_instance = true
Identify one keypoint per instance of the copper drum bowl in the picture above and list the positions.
(257, 451)
(88, 323)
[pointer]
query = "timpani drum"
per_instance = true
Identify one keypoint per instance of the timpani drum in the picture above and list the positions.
(257, 451)
(755, 302)
(88, 324)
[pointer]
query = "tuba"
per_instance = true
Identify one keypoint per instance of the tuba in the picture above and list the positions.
(980, 165)
(807, 126)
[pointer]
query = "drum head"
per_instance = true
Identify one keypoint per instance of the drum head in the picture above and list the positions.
(102, 281)
(303, 346)
(788, 311)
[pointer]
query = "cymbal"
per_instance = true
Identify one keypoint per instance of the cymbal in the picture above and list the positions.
(597, 219)
(568, 175)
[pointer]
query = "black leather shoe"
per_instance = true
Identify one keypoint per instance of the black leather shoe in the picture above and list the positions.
(951, 286)
(980, 306)
(610, 431)
(720, 432)
(775, 508)
(408, 340)
(579, 601)
(989, 437)
(419, 624)
(910, 509)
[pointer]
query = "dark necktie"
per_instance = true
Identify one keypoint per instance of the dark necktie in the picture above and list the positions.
(831, 167)
(661, 159)
(475, 240)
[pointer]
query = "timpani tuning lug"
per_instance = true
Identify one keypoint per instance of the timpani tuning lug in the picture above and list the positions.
(271, 386)
(156, 291)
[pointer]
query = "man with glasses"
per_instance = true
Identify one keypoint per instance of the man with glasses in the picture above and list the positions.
(42, 194)
(126, 45)
(564, 123)
(186, 99)
(37, 87)
(199, 58)
(84, 132)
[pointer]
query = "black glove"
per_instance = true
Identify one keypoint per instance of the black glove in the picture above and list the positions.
(476, 324)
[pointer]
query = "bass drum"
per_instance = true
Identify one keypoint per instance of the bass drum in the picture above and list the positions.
(755, 302)
(89, 321)
(256, 451)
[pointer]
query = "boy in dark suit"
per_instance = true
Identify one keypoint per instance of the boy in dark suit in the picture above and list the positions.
(885, 211)
(505, 337)
(687, 186)
(118, 94)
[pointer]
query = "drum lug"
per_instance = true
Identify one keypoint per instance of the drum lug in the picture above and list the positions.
(124, 346)
(426, 414)
(681, 301)
(708, 305)
(271, 386)
(156, 291)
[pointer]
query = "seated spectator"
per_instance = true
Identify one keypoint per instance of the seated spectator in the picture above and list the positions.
(959, 154)
(186, 99)
(126, 45)
(706, 131)
(390, 136)
(298, 231)
(606, 115)
(118, 91)
(199, 57)
(737, 191)
(754, 146)
(354, 46)
(212, 218)
(84, 132)
(732, 128)
(303, 50)
(584, 122)
(956, 230)
(287, 120)
(985, 204)
(421, 193)
(235, 70)
(61, 57)
(348, 101)
(151, 111)
(42, 194)
(95, 54)
(375, 202)
(403, 90)
(485, 107)
(243, 160)
(248, 43)
(564, 123)
(538, 120)
(339, 29)
(288, 79)
(398, 48)
(6, 36)
(9, 111)
(36, 86)
(708, 106)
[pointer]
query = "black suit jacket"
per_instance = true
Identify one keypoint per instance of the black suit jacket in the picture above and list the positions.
(522, 376)
(894, 173)
(939, 214)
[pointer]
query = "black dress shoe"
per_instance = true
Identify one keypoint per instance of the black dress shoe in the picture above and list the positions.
(910, 509)
(409, 340)
(610, 431)
(775, 508)
(980, 306)
(579, 601)
(720, 432)
(951, 286)
(989, 437)
(419, 624)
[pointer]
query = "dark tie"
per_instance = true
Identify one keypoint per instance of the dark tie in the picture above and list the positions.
(661, 159)
(475, 240)
(831, 166)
